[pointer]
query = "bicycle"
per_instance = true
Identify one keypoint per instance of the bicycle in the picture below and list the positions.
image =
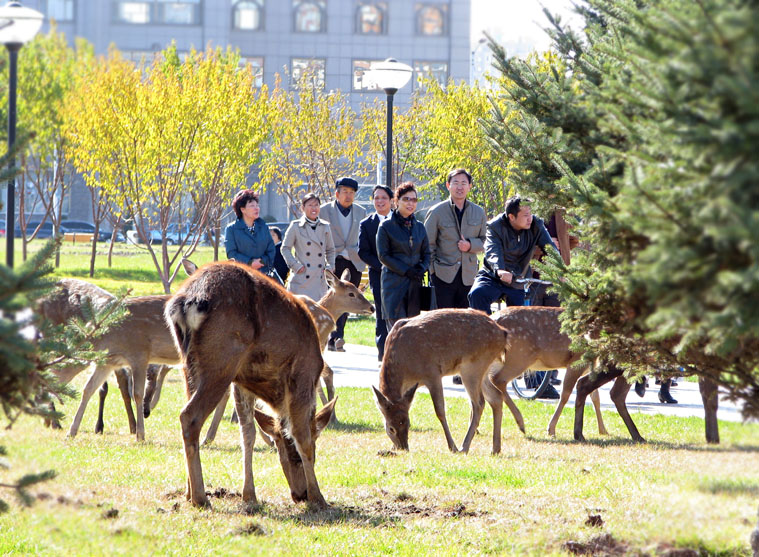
(520, 384)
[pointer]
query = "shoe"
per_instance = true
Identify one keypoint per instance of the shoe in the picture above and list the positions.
(339, 344)
(664, 396)
(331, 346)
(379, 357)
(457, 380)
(555, 381)
(550, 393)
(640, 387)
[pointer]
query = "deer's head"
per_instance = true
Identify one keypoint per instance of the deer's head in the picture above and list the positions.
(292, 465)
(395, 413)
(344, 297)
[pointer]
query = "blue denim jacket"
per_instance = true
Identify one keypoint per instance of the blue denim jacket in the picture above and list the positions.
(244, 246)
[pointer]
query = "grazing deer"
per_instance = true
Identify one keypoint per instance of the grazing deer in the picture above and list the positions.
(342, 297)
(140, 338)
(536, 342)
(425, 348)
(234, 325)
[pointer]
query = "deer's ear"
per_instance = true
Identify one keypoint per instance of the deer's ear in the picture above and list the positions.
(331, 278)
(362, 287)
(408, 396)
(324, 415)
(267, 423)
(346, 276)
(189, 266)
(382, 401)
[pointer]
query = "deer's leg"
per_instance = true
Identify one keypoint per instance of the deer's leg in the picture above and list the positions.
(139, 370)
(98, 377)
(619, 394)
(301, 422)
(102, 393)
(473, 384)
(216, 420)
(205, 390)
(585, 386)
(245, 404)
(595, 398)
(571, 377)
(328, 377)
(708, 388)
(154, 386)
(124, 379)
(495, 399)
(438, 401)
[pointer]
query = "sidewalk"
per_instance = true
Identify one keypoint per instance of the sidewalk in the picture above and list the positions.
(358, 367)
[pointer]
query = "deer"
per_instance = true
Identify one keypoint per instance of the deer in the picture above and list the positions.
(424, 349)
(536, 342)
(233, 325)
(341, 297)
(142, 337)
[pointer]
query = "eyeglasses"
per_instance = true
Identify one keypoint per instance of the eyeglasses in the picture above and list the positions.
(409, 199)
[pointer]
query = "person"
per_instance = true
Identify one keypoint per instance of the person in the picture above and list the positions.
(311, 238)
(404, 251)
(280, 265)
(344, 218)
(367, 251)
(247, 240)
(509, 244)
(456, 231)
(665, 397)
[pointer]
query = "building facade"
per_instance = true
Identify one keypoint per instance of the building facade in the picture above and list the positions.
(337, 39)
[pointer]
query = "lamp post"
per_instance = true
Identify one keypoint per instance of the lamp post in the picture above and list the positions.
(390, 76)
(18, 25)
(472, 67)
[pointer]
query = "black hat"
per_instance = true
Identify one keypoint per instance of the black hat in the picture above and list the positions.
(347, 182)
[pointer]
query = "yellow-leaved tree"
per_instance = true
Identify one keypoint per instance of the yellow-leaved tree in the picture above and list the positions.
(165, 141)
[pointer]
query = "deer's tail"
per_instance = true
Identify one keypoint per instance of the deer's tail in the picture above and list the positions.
(184, 318)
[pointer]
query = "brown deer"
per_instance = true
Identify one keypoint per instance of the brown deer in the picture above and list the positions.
(537, 343)
(234, 325)
(425, 348)
(342, 297)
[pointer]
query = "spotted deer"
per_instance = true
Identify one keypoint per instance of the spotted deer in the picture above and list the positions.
(424, 349)
(341, 297)
(233, 325)
(537, 343)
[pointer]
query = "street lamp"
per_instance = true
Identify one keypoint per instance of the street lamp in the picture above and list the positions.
(390, 76)
(18, 25)
(473, 57)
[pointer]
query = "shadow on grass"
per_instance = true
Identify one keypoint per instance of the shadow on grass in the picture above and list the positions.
(730, 487)
(626, 441)
(353, 427)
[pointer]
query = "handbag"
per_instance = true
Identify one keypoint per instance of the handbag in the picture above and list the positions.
(427, 300)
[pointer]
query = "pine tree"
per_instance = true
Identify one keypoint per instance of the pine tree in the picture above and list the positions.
(647, 132)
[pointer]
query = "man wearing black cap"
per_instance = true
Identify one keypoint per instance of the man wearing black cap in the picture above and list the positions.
(344, 218)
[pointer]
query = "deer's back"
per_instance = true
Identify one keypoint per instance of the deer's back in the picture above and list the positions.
(535, 336)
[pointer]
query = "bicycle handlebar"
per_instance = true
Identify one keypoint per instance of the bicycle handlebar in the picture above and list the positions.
(529, 281)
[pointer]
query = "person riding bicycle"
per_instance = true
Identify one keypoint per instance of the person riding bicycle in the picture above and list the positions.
(509, 244)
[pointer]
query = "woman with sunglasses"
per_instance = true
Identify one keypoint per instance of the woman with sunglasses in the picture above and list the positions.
(404, 251)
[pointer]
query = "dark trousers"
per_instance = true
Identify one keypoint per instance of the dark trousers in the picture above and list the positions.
(487, 290)
(340, 265)
(380, 328)
(451, 294)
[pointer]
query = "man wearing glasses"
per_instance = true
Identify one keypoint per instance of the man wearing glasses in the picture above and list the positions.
(456, 231)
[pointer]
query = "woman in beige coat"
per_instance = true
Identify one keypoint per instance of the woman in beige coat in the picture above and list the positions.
(311, 240)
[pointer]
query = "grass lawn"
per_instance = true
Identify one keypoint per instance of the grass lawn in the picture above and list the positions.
(115, 496)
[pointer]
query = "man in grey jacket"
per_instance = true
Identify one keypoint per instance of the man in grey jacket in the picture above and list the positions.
(344, 218)
(511, 238)
(456, 231)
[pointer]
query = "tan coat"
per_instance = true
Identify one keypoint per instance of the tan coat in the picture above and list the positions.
(349, 244)
(315, 250)
(444, 232)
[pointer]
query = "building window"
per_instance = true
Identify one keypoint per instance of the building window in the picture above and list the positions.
(370, 18)
(60, 10)
(256, 67)
(431, 19)
(313, 70)
(164, 12)
(310, 16)
(425, 70)
(248, 15)
(362, 78)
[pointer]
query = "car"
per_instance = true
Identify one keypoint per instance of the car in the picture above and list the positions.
(175, 234)
(69, 226)
(45, 231)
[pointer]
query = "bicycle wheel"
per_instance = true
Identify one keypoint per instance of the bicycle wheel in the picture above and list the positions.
(530, 393)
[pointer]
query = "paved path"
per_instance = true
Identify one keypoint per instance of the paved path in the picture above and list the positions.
(358, 367)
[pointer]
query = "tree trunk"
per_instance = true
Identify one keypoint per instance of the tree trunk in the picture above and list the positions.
(710, 397)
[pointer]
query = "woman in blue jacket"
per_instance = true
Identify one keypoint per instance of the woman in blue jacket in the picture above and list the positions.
(248, 240)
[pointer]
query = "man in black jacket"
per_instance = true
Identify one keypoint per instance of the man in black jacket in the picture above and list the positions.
(367, 251)
(511, 238)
